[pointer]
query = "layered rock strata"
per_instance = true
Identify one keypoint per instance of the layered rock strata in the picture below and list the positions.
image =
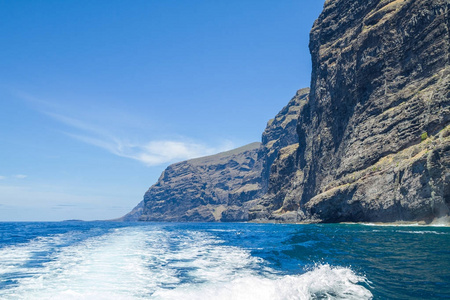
(373, 137)
(368, 143)
(280, 132)
(220, 187)
(203, 189)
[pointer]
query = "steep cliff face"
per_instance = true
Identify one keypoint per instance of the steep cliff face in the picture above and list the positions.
(280, 132)
(373, 137)
(369, 142)
(203, 189)
(221, 187)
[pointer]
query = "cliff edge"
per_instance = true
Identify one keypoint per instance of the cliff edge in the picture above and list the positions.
(221, 187)
(374, 136)
(368, 142)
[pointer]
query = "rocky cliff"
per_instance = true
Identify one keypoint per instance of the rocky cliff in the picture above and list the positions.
(204, 189)
(368, 142)
(374, 136)
(280, 132)
(221, 187)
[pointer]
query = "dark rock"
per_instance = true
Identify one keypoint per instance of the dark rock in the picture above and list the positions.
(368, 143)
(200, 190)
(221, 187)
(280, 132)
(380, 81)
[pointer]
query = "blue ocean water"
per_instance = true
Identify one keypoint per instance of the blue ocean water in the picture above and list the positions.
(107, 260)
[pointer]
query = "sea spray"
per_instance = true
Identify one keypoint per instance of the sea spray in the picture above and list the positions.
(324, 282)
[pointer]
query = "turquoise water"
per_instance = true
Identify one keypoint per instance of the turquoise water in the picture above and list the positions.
(102, 260)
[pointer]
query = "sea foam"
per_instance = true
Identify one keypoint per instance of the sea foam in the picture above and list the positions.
(143, 263)
(324, 282)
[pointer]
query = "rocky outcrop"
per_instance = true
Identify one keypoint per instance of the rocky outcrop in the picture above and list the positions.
(280, 132)
(368, 143)
(373, 137)
(206, 188)
(221, 187)
(410, 185)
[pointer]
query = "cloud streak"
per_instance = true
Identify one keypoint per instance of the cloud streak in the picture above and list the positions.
(154, 152)
(97, 130)
(18, 176)
(150, 153)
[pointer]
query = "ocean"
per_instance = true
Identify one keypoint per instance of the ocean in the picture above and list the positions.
(108, 260)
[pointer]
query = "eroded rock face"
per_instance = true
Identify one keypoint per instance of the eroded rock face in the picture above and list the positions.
(203, 189)
(369, 142)
(380, 90)
(280, 132)
(221, 187)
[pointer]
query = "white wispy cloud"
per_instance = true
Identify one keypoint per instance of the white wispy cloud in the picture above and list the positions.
(102, 131)
(154, 152)
(151, 153)
(75, 123)
(17, 176)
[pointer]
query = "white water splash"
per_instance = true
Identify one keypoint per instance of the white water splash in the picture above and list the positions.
(14, 259)
(138, 263)
(324, 282)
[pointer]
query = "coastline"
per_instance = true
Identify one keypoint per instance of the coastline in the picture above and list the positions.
(438, 222)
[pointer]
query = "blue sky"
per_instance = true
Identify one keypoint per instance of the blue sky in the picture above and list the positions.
(99, 97)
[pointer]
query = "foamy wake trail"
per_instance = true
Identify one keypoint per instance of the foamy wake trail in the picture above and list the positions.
(111, 266)
(324, 282)
(154, 263)
(17, 258)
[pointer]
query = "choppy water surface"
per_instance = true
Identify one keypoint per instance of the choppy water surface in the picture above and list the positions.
(100, 260)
